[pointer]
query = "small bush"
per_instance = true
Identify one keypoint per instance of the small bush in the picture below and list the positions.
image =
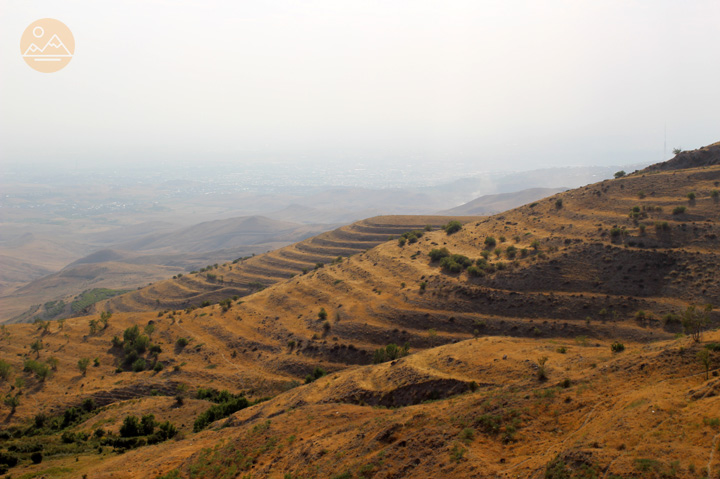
(620, 174)
(317, 373)
(617, 347)
(678, 210)
(475, 272)
(452, 227)
(438, 254)
(182, 342)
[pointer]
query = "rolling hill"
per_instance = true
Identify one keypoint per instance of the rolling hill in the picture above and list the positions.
(492, 204)
(250, 274)
(145, 259)
(559, 355)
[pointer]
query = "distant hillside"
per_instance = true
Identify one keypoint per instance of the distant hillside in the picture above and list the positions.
(250, 274)
(491, 204)
(222, 234)
(702, 157)
(147, 259)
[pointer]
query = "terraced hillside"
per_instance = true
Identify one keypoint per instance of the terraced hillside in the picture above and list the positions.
(248, 275)
(557, 351)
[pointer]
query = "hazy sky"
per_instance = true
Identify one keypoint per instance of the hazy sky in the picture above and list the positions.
(507, 84)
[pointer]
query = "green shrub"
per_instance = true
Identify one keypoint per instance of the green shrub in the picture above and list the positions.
(219, 411)
(678, 210)
(5, 370)
(475, 272)
(182, 342)
(438, 254)
(130, 427)
(390, 352)
(490, 242)
(617, 347)
(620, 174)
(139, 365)
(317, 373)
(452, 227)
(450, 266)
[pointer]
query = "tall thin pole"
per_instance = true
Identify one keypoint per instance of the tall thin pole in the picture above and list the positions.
(665, 143)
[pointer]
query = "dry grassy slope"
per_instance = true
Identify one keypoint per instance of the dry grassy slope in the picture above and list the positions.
(374, 298)
(650, 402)
(542, 300)
(263, 270)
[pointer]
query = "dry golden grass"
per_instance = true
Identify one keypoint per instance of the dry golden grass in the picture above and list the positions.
(580, 290)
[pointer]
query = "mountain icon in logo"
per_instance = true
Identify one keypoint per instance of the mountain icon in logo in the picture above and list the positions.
(53, 48)
(43, 55)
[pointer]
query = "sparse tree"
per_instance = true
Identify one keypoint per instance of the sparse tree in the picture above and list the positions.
(620, 174)
(93, 326)
(696, 320)
(677, 151)
(61, 324)
(43, 326)
(105, 319)
(322, 315)
(5, 370)
(704, 357)
(53, 362)
(83, 364)
(36, 346)
(542, 371)
(180, 394)
(12, 402)
(149, 329)
(432, 334)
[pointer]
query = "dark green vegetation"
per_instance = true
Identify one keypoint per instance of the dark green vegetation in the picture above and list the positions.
(390, 352)
(53, 436)
(225, 405)
(92, 296)
(137, 352)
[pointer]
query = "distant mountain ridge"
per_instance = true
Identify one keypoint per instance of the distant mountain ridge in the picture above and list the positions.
(491, 204)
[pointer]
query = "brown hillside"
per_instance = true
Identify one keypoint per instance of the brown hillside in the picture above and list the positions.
(249, 275)
(468, 401)
(705, 156)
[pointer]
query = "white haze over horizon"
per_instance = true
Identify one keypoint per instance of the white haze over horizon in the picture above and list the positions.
(492, 84)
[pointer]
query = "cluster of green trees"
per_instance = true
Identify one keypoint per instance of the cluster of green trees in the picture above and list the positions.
(456, 263)
(410, 237)
(226, 404)
(136, 432)
(138, 353)
(390, 352)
